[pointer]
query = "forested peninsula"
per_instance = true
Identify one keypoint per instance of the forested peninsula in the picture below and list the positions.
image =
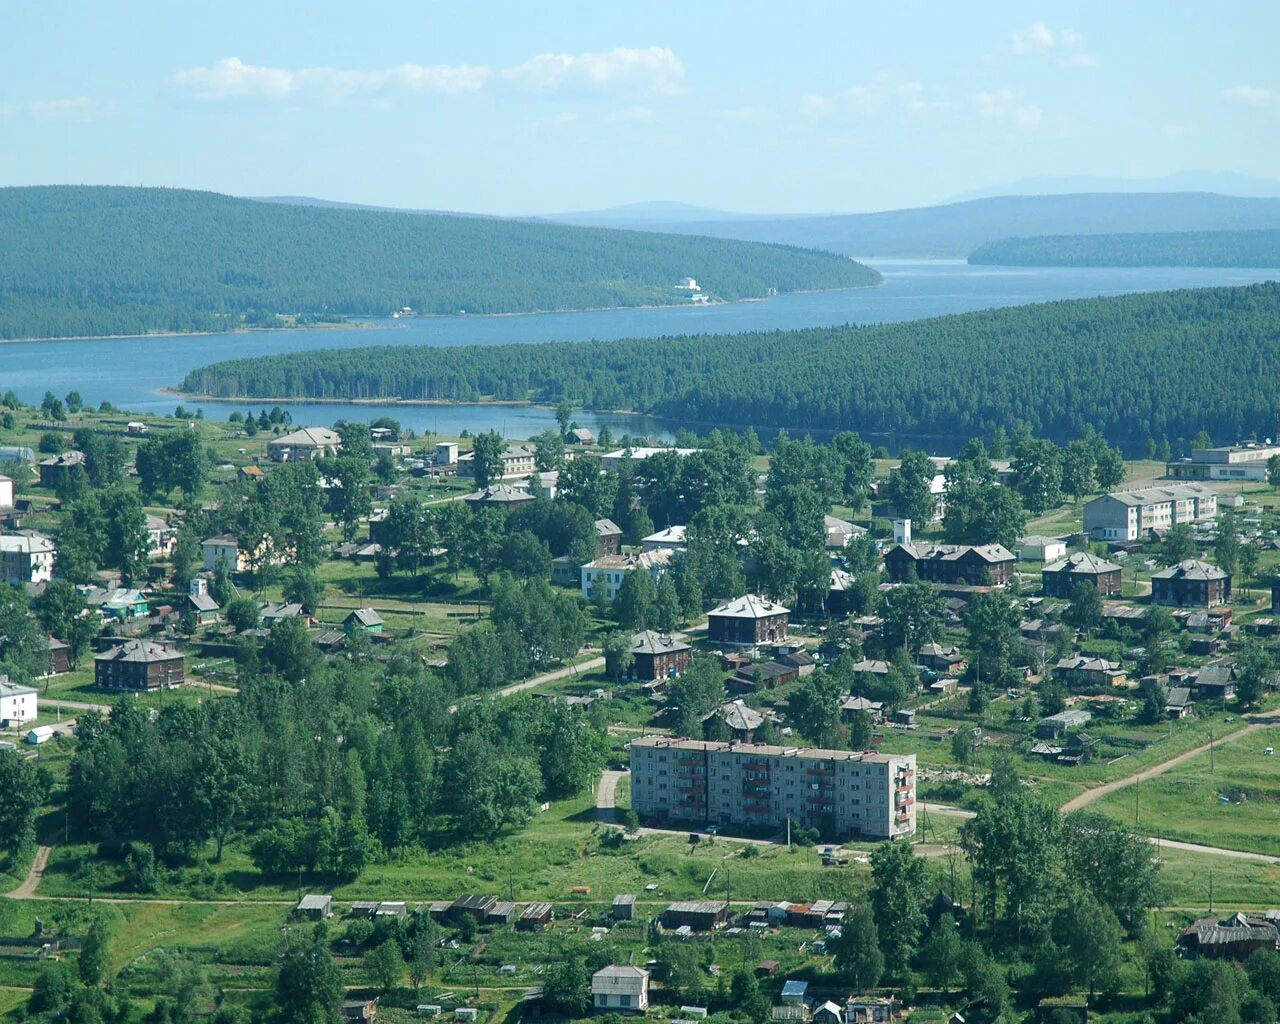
(1153, 365)
(91, 260)
(1156, 249)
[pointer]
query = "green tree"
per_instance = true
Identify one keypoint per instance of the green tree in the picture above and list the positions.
(1273, 471)
(548, 450)
(1226, 547)
(909, 487)
(384, 966)
(1084, 607)
(486, 463)
(858, 958)
(1079, 469)
(1037, 474)
(912, 616)
(635, 605)
(64, 613)
(308, 985)
(1178, 545)
(897, 900)
(22, 791)
(1254, 669)
(941, 954)
(94, 960)
(566, 987)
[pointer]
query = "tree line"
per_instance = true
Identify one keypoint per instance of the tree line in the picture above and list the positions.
(1138, 368)
(97, 260)
(1258, 248)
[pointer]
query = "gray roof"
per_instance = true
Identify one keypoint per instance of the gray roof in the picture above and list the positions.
(737, 716)
(1178, 697)
(607, 528)
(951, 552)
(649, 642)
(1216, 675)
(749, 606)
(1084, 563)
(202, 602)
(1191, 569)
(140, 651)
(1157, 495)
(366, 617)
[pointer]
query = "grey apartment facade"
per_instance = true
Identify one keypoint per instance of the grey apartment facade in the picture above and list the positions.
(1131, 515)
(845, 793)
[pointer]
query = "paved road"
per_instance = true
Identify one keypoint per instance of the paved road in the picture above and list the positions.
(1173, 844)
(1098, 792)
(607, 796)
(70, 705)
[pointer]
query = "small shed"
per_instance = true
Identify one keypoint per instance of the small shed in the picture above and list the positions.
(40, 734)
(535, 917)
(502, 912)
(316, 907)
(794, 992)
(624, 907)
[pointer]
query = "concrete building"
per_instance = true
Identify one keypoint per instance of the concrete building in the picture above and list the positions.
(1231, 462)
(517, 460)
(845, 793)
(609, 571)
(17, 703)
(1061, 577)
(1131, 515)
(747, 621)
(1191, 583)
(304, 444)
(26, 558)
(839, 532)
(620, 988)
(6, 492)
(608, 538)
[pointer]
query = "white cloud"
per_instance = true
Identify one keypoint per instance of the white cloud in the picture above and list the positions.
(1255, 95)
(1003, 105)
(71, 108)
(1034, 38)
(654, 70)
(232, 78)
(884, 92)
(1040, 38)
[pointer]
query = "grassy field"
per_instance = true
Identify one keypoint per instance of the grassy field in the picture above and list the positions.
(1187, 803)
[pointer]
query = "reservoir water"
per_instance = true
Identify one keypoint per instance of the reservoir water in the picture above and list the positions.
(131, 373)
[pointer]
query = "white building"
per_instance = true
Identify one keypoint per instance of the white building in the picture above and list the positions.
(620, 987)
(1231, 462)
(670, 539)
(307, 443)
(612, 460)
(1131, 515)
(839, 532)
(1037, 548)
(6, 492)
(17, 703)
(223, 550)
(608, 571)
(26, 558)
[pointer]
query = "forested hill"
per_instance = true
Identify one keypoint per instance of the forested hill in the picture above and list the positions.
(97, 260)
(956, 229)
(1156, 249)
(1163, 364)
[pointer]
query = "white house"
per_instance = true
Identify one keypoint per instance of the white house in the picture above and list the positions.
(620, 987)
(1037, 548)
(223, 550)
(41, 734)
(6, 492)
(26, 558)
(17, 703)
(608, 571)
(670, 539)
(308, 443)
(612, 460)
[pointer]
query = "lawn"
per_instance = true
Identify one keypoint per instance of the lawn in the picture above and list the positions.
(1197, 805)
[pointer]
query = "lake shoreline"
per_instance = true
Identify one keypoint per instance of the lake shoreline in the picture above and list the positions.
(358, 324)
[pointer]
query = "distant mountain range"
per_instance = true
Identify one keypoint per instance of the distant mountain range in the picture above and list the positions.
(1227, 183)
(954, 230)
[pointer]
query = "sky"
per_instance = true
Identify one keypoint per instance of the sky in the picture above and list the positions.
(538, 107)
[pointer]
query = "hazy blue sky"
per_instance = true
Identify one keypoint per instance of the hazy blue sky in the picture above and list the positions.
(541, 106)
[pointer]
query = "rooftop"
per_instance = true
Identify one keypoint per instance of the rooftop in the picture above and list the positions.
(771, 750)
(749, 606)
